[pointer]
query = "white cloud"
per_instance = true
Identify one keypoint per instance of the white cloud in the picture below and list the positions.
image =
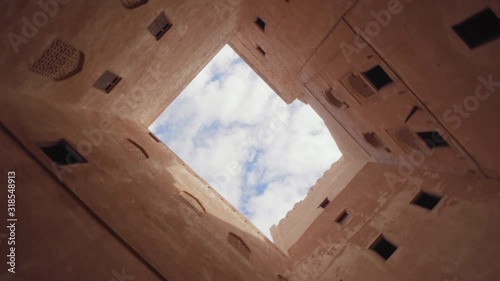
(228, 117)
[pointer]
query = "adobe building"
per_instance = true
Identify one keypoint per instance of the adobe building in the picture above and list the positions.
(408, 89)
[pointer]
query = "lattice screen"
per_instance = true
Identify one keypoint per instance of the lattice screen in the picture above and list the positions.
(193, 203)
(59, 61)
(131, 4)
(358, 86)
(239, 245)
(134, 148)
(407, 139)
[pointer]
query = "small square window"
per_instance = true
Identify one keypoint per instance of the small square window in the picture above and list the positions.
(342, 218)
(62, 153)
(378, 77)
(479, 29)
(383, 247)
(426, 200)
(260, 23)
(261, 50)
(325, 203)
(159, 26)
(433, 139)
(107, 81)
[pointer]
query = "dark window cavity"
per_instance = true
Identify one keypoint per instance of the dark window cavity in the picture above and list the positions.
(479, 29)
(378, 77)
(62, 153)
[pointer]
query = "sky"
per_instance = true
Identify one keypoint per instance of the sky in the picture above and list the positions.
(261, 154)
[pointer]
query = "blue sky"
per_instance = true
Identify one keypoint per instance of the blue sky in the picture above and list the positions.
(235, 132)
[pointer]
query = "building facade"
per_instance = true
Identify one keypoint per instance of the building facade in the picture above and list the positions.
(408, 89)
